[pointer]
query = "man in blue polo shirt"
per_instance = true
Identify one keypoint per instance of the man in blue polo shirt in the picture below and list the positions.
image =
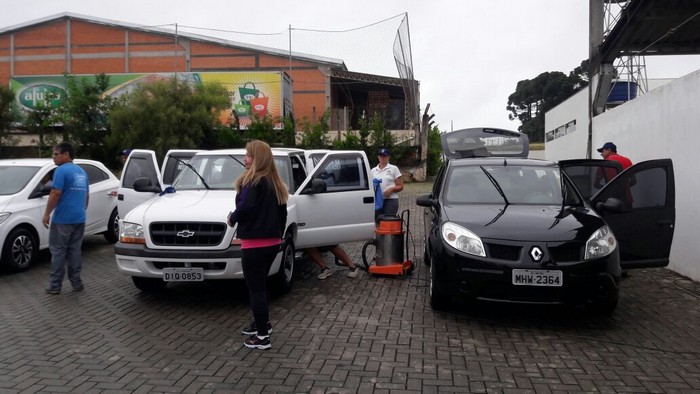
(68, 200)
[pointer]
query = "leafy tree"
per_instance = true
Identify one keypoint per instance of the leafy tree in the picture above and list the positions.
(532, 98)
(84, 114)
(314, 136)
(351, 142)
(263, 129)
(167, 114)
(581, 75)
(380, 136)
(8, 116)
(42, 120)
(434, 151)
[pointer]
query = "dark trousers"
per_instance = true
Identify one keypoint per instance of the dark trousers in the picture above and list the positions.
(256, 264)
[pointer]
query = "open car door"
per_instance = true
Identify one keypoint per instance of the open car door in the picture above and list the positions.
(590, 175)
(335, 203)
(639, 207)
(143, 164)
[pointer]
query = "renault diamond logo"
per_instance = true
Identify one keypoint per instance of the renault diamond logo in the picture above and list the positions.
(536, 254)
(185, 233)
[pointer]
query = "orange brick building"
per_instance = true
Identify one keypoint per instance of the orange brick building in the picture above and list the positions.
(75, 44)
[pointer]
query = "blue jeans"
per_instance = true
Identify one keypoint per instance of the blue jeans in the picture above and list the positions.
(65, 241)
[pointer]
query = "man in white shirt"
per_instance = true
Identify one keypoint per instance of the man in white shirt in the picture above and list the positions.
(391, 183)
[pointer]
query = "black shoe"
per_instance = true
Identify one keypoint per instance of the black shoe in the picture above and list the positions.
(255, 342)
(53, 291)
(253, 329)
(78, 288)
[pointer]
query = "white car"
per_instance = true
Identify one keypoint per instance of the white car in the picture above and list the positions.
(179, 233)
(24, 193)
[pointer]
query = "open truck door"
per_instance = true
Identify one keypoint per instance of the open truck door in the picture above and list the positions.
(143, 164)
(336, 201)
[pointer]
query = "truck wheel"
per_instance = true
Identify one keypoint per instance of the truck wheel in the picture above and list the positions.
(20, 250)
(283, 278)
(112, 233)
(148, 285)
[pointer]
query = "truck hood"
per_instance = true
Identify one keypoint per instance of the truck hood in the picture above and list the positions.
(185, 206)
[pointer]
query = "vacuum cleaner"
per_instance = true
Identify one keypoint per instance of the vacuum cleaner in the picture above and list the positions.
(389, 244)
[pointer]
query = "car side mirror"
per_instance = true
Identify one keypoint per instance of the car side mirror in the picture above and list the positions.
(426, 200)
(143, 184)
(40, 191)
(610, 205)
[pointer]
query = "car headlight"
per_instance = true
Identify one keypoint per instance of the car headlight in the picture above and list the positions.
(462, 239)
(131, 233)
(4, 216)
(600, 244)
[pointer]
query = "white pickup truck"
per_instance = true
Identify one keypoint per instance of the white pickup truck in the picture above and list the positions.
(173, 221)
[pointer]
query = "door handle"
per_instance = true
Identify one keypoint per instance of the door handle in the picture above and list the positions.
(368, 200)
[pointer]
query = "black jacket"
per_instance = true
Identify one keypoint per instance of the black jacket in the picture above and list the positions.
(257, 212)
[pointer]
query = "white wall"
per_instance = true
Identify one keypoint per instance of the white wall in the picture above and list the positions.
(571, 145)
(665, 122)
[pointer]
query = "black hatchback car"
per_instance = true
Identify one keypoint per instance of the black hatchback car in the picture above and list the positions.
(501, 227)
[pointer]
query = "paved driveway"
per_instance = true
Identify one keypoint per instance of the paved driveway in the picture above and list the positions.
(368, 334)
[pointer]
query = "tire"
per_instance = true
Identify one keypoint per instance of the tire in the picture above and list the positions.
(282, 280)
(438, 300)
(604, 307)
(20, 250)
(112, 233)
(148, 285)
(426, 255)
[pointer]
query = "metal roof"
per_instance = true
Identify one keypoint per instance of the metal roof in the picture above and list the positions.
(654, 27)
(161, 31)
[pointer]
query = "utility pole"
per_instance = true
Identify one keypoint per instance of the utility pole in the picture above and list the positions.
(426, 124)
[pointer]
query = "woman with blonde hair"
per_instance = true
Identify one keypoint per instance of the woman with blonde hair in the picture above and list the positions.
(261, 215)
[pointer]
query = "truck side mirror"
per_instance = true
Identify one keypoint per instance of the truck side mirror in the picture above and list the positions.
(143, 184)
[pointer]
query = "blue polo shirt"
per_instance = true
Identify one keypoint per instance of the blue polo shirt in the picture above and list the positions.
(73, 183)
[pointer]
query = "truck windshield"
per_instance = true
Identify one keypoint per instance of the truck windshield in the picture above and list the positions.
(219, 172)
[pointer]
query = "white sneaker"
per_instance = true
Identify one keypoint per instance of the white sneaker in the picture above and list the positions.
(325, 272)
(353, 272)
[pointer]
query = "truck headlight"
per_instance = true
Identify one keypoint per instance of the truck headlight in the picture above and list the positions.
(462, 239)
(600, 244)
(131, 233)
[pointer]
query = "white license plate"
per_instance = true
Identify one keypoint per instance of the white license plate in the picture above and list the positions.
(537, 278)
(183, 274)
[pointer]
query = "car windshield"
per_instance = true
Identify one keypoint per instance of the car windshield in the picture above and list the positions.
(520, 185)
(15, 178)
(219, 172)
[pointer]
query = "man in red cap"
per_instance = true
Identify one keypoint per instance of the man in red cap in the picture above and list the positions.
(609, 152)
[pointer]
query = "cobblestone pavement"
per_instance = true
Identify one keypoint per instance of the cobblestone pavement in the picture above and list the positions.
(368, 334)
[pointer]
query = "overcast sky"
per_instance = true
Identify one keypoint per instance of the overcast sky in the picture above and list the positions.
(468, 55)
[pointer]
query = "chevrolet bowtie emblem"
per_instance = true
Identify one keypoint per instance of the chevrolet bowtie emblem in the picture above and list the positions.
(185, 233)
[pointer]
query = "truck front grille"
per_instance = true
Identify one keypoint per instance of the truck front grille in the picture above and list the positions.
(187, 233)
